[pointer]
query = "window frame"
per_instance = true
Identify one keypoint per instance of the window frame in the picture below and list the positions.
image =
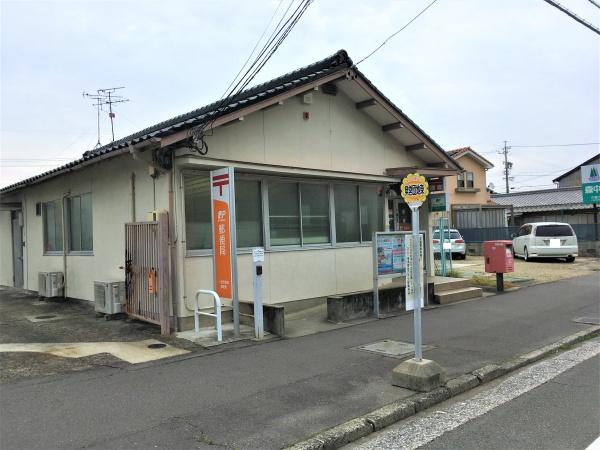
(59, 202)
(264, 179)
(472, 181)
(67, 222)
(460, 178)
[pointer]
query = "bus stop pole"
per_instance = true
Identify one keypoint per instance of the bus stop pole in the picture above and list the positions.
(416, 276)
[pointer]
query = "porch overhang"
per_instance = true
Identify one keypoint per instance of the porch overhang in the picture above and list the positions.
(401, 172)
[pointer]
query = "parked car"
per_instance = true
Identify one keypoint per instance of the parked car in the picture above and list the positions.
(453, 243)
(545, 240)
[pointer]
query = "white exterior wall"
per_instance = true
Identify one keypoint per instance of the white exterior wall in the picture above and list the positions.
(337, 137)
(6, 259)
(110, 185)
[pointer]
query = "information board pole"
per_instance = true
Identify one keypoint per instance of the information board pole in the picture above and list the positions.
(375, 279)
(416, 276)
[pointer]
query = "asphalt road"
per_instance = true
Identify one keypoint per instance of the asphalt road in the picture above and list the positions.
(274, 394)
(559, 412)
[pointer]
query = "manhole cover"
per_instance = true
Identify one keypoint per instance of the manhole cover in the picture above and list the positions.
(45, 316)
(393, 349)
(588, 320)
(153, 346)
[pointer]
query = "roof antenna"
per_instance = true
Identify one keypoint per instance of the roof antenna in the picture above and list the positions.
(106, 97)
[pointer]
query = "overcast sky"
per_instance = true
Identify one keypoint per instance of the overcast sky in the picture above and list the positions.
(469, 72)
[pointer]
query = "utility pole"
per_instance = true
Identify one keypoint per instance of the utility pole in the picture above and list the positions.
(507, 165)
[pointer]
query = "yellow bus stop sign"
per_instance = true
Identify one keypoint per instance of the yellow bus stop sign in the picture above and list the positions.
(414, 189)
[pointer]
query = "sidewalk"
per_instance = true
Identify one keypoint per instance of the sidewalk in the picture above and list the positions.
(274, 394)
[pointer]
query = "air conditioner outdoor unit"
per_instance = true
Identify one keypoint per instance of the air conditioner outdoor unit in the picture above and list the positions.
(50, 284)
(109, 296)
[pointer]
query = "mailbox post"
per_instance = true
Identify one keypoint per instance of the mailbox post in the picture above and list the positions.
(499, 260)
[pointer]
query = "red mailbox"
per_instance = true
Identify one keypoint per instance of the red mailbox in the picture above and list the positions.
(498, 256)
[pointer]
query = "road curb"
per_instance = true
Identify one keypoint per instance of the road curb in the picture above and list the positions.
(401, 409)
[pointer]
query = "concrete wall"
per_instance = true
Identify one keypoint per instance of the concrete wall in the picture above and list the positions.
(6, 260)
(110, 185)
(479, 182)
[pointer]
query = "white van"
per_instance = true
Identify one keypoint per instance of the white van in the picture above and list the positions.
(545, 240)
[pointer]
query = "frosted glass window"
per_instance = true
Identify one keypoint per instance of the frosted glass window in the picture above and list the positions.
(53, 226)
(284, 213)
(248, 212)
(80, 222)
(347, 218)
(314, 199)
(371, 211)
(198, 230)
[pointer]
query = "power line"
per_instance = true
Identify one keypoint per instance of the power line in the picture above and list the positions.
(279, 34)
(574, 16)
(594, 3)
(555, 145)
(395, 33)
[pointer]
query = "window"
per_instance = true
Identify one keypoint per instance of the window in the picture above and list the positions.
(198, 231)
(79, 213)
(53, 234)
(284, 213)
(371, 211)
(248, 213)
(436, 184)
(460, 180)
(553, 230)
(347, 216)
(470, 179)
(314, 200)
(358, 212)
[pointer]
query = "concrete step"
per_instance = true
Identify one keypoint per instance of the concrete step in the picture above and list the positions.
(456, 295)
(451, 284)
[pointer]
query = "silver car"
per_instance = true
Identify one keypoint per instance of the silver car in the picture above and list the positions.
(453, 243)
(546, 240)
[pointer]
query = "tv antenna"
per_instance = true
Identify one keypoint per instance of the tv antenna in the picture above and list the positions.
(106, 97)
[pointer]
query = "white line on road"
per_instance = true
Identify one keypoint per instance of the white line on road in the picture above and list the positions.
(419, 430)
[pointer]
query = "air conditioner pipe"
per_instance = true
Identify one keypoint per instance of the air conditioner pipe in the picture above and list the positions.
(64, 242)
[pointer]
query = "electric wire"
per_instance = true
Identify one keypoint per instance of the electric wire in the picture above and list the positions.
(594, 3)
(574, 16)
(555, 145)
(395, 33)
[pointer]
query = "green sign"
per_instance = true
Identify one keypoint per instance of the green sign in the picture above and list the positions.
(590, 183)
(438, 202)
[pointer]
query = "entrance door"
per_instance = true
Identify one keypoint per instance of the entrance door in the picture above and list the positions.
(17, 247)
(402, 216)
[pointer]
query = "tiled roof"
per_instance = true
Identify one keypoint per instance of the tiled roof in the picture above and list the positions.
(458, 152)
(308, 74)
(543, 200)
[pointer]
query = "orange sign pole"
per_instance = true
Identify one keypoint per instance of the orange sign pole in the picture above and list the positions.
(224, 242)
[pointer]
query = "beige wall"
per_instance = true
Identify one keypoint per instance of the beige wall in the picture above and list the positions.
(110, 185)
(6, 260)
(479, 182)
(336, 137)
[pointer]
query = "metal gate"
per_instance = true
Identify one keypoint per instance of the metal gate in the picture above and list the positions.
(147, 271)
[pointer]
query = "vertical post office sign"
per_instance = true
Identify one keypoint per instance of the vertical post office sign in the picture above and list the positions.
(222, 192)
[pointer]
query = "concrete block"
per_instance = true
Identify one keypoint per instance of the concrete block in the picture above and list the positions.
(342, 434)
(421, 376)
(428, 399)
(389, 414)
(462, 384)
(489, 372)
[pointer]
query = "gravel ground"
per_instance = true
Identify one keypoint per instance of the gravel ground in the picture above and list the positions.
(536, 271)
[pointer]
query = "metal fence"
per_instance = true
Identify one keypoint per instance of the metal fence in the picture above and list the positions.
(584, 232)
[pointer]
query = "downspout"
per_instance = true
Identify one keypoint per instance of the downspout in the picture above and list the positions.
(173, 238)
(64, 240)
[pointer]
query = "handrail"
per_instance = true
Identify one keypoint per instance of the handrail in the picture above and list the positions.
(216, 315)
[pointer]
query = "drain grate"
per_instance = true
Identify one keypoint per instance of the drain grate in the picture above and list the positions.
(154, 346)
(391, 348)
